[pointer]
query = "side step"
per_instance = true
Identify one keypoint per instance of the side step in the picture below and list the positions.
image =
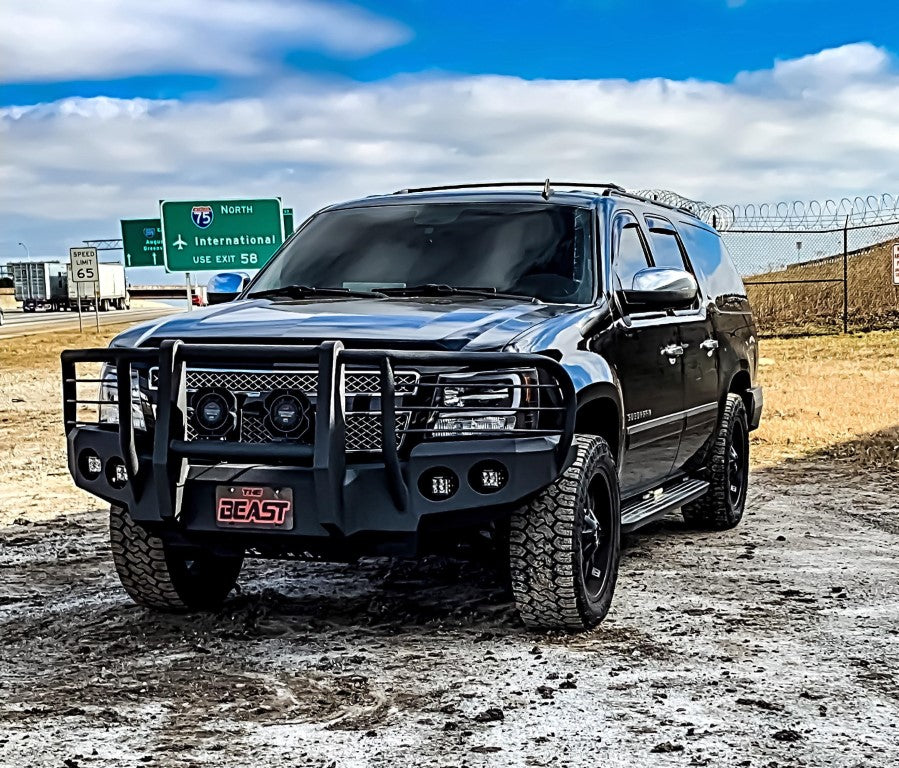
(643, 511)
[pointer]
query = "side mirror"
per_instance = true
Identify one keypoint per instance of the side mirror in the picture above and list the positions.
(658, 288)
(225, 286)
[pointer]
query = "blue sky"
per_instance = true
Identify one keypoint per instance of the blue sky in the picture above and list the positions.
(106, 106)
(556, 39)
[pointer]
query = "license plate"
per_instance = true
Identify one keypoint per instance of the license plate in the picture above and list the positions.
(253, 506)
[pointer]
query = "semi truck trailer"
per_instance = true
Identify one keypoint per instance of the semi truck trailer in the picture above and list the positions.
(40, 284)
(110, 291)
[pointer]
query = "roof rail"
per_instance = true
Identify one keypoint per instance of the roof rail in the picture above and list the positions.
(495, 184)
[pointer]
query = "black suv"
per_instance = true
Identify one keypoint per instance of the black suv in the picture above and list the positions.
(547, 368)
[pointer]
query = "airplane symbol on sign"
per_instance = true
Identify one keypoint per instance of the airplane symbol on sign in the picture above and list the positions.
(179, 243)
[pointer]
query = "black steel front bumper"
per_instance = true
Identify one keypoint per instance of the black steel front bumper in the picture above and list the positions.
(171, 482)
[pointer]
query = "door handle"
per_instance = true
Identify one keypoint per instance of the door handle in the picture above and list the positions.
(709, 345)
(672, 350)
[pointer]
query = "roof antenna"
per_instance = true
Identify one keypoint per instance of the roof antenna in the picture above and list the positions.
(547, 190)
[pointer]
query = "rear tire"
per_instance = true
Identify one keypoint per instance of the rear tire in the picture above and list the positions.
(727, 471)
(160, 577)
(564, 547)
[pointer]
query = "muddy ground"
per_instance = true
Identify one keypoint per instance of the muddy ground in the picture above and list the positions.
(776, 644)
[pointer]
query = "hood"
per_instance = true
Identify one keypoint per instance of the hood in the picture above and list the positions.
(451, 323)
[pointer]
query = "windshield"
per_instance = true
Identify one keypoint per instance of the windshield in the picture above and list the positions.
(544, 251)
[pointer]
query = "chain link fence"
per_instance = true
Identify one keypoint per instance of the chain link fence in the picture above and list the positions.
(812, 267)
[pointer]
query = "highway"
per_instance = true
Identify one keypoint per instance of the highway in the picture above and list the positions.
(26, 324)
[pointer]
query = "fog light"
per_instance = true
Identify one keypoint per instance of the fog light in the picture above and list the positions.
(89, 464)
(116, 474)
(438, 483)
(488, 476)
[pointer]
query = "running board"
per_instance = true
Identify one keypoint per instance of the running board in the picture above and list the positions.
(643, 511)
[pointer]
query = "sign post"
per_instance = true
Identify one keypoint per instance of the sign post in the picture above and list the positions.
(85, 269)
(97, 304)
(220, 234)
(896, 264)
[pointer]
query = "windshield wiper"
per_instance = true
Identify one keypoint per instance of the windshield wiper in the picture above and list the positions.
(305, 291)
(440, 289)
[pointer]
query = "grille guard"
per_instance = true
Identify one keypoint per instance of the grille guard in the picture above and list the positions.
(172, 452)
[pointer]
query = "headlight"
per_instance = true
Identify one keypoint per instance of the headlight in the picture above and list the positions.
(109, 414)
(484, 403)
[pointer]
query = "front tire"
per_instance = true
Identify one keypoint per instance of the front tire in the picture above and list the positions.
(727, 470)
(160, 577)
(565, 545)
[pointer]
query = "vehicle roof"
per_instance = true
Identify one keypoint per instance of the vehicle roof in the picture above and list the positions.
(558, 197)
(524, 194)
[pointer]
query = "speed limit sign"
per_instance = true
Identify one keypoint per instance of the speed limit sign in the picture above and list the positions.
(84, 265)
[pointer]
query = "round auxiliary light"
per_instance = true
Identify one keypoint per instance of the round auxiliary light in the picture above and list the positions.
(488, 476)
(438, 483)
(288, 413)
(212, 411)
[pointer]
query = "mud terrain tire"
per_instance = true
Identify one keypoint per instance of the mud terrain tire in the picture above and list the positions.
(727, 470)
(158, 577)
(565, 545)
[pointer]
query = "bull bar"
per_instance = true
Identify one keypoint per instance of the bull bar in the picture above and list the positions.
(160, 476)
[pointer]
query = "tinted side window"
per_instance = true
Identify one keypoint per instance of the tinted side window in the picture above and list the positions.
(663, 242)
(630, 254)
(713, 263)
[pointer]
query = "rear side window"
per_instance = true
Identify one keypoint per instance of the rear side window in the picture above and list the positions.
(630, 254)
(713, 264)
(663, 241)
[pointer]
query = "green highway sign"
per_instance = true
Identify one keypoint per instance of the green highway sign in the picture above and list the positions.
(142, 242)
(220, 234)
(288, 222)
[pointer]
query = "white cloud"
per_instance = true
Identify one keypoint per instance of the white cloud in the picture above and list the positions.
(55, 40)
(72, 168)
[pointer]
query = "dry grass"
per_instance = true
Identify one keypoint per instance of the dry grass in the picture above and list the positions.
(836, 396)
(816, 307)
(41, 351)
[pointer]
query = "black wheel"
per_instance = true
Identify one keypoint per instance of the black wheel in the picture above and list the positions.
(565, 545)
(727, 470)
(29, 305)
(157, 576)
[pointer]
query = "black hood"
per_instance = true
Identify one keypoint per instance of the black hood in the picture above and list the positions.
(452, 323)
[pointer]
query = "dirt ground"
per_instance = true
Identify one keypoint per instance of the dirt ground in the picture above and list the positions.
(775, 644)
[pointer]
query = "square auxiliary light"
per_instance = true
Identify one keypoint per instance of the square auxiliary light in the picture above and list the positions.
(438, 483)
(441, 485)
(94, 465)
(491, 478)
(488, 476)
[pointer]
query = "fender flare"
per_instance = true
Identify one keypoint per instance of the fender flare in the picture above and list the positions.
(594, 379)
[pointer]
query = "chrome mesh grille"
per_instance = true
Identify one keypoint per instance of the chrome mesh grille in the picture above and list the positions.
(363, 429)
(356, 382)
